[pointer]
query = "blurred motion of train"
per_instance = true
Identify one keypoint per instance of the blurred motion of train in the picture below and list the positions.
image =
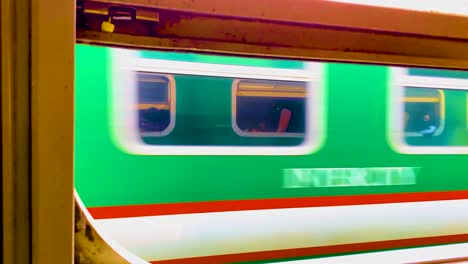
(174, 150)
(190, 157)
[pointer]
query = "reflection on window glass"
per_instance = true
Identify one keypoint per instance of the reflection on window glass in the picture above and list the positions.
(270, 108)
(153, 103)
(424, 111)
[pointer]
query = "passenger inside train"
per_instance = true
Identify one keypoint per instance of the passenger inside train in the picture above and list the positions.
(272, 115)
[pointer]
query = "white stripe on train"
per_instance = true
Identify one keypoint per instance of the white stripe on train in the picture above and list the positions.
(413, 255)
(205, 234)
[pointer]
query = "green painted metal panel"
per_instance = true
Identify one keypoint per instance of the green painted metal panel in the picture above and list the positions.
(356, 114)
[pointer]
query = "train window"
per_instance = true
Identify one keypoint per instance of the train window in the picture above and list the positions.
(269, 108)
(424, 112)
(248, 107)
(430, 113)
(155, 104)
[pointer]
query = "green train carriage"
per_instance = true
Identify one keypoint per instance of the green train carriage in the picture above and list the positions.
(245, 156)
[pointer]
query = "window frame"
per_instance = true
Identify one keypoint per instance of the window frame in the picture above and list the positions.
(125, 61)
(171, 102)
(399, 79)
(240, 132)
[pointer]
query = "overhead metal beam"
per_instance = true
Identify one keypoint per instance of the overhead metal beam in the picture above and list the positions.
(310, 30)
(316, 12)
(313, 37)
(241, 49)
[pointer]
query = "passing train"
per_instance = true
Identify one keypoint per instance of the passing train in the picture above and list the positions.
(204, 159)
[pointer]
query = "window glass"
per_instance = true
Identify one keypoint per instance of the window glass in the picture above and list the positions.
(154, 107)
(222, 111)
(432, 110)
(435, 117)
(270, 108)
(424, 115)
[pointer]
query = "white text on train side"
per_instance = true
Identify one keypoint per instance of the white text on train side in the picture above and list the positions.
(347, 177)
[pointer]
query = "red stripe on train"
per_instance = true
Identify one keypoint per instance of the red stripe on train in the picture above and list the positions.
(322, 250)
(262, 204)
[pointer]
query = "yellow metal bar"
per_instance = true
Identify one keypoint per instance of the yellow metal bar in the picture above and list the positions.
(421, 100)
(270, 90)
(442, 104)
(161, 106)
(271, 94)
(155, 80)
(270, 87)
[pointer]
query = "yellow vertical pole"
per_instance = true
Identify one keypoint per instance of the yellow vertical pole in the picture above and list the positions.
(15, 115)
(52, 106)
